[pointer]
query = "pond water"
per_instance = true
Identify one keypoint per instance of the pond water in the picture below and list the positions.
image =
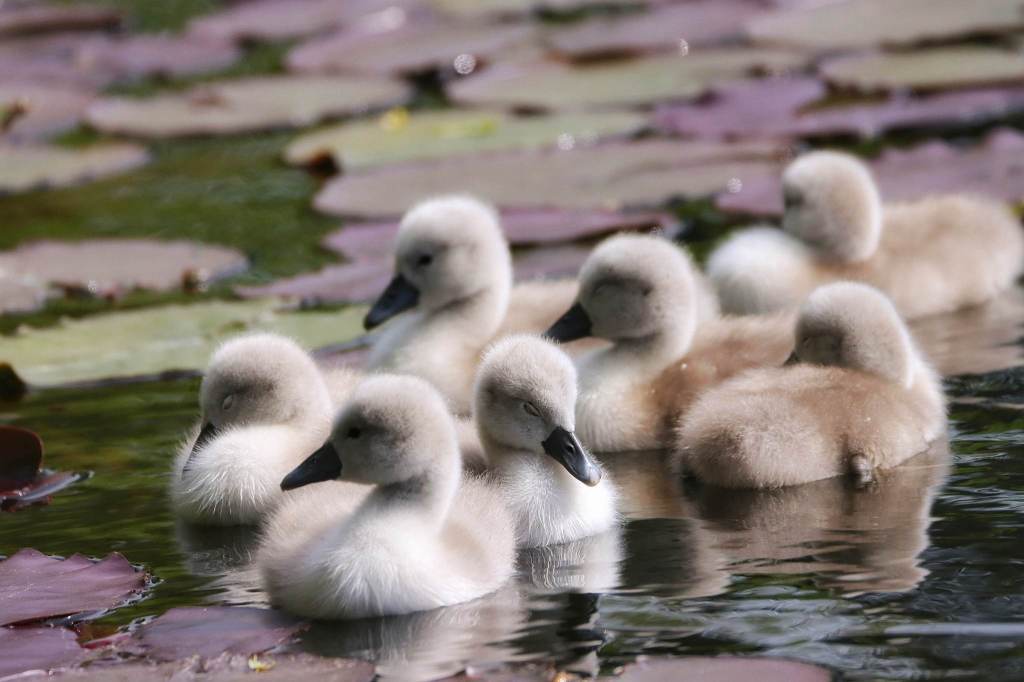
(917, 576)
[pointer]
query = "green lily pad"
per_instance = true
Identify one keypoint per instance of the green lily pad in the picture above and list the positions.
(435, 134)
(549, 85)
(931, 69)
(865, 23)
(604, 176)
(246, 105)
(25, 167)
(156, 340)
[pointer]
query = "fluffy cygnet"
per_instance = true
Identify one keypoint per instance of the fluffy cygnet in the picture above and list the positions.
(454, 277)
(264, 406)
(642, 293)
(423, 538)
(524, 407)
(929, 256)
(857, 397)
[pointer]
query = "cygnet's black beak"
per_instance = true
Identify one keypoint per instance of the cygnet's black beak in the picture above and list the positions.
(574, 324)
(322, 465)
(567, 451)
(206, 434)
(791, 360)
(399, 296)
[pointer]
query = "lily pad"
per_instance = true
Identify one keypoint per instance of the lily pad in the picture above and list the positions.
(723, 668)
(409, 48)
(605, 176)
(38, 648)
(549, 85)
(547, 262)
(671, 27)
(34, 586)
(21, 455)
(20, 18)
(865, 23)
(518, 8)
(237, 668)
(209, 631)
(401, 136)
(361, 281)
(104, 265)
(163, 56)
(156, 340)
(42, 110)
(51, 59)
(777, 108)
(932, 69)
(246, 105)
(20, 295)
(25, 167)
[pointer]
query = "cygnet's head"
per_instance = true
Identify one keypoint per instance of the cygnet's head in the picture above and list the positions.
(855, 326)
(833, 206)
(448, 249)
(525, 401)
(393, 429)
(633, 287)
(263, 379)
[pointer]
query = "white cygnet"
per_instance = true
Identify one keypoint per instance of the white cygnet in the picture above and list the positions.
(930, 256)
(524, 407)
(641, 292)
(423, 538)
(857, 397)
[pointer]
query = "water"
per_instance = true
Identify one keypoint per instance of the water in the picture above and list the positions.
(918, 576)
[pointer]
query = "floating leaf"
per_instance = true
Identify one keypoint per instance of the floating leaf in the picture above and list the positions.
(19, 295)
(155, 340)
(104, 265)
(34, 586)
(51, 60)
(563, 260)
(25, 167)
(409, 48)
(157, 55)
(550, 85)
(38, 648)
(605, 176)
(704, 668)
(437, 134)
(209, 631)
(865, 23)
(932, 69)
(248, 104)
(33, 17)
(284, 668)
(672, 27)
(518, 8)
(42, 110)
(361, 281)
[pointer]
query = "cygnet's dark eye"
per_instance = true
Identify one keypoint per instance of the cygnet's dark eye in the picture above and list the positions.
(531, 410)
(229, 400)
(354, 432)
(792, 198)
(424, 260)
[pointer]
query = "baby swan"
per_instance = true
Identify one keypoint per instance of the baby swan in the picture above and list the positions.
(418, 541)
(859, 397)
(930, 256)
(524, 404)
(642, 293)
(264, 406)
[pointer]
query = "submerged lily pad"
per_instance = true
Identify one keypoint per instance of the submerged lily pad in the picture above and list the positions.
(931, 69)
(209, 631)
(409, 48)
(34, 586)
(42, 110)
(400, 136)
(246, 105)
(549, 85)
(604, 176)
(156, 340)
(20, 18)
(25, 167)
(865, 23)
(38, 648)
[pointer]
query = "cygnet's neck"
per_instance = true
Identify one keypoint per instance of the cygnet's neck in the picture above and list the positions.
(479, 313)
(671, 342)
(430, 493)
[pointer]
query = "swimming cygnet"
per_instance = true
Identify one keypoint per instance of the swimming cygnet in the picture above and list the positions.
(423, 538)
(264, 406)
(929, 256)
(857, 397)
(524, 404)
(454, 276)
(641, 293)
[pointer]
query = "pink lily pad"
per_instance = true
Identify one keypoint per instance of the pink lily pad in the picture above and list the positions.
(209, 631)
(20, 295)
(21, 18)
(265, 668)
(993, 168)
(722, 669)
(156, 55)
(51, 59)
(38, 648)
(408, 48)
(110, 265)
(350, 282)
(22, 481)
(34, 586)
(671, 27)
(43, 110)
(26, 167)
(607, 176)
(777, 108)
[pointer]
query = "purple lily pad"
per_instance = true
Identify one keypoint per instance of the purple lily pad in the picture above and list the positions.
(671, 27)
(38, 648)
(777, 108)
(994, 168)
(156, 55)
(266, 668)
(51, 59)
(350, 282)
(21, 18)
(209, 631)
(34, 586)
(43, 110)
(722, 669)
